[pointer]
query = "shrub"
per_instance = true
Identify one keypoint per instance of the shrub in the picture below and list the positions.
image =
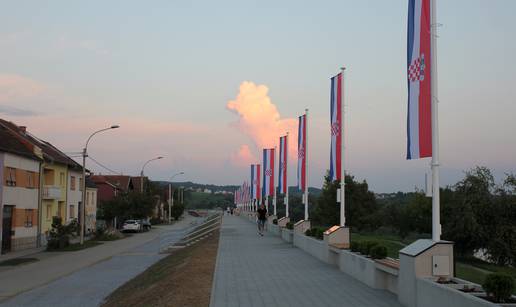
(365, 247)
(275, 221)
(499, 286)
(290, 225)
(378, 252)
(318, 233)
(59, 235)
(355, 246)
(308, 232)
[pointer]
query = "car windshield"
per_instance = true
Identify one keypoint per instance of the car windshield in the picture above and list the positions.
(130, 222)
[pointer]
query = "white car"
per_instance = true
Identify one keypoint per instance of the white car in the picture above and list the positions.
(132, 225)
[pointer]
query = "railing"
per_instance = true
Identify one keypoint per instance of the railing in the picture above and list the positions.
(51, 192)
(194, 235)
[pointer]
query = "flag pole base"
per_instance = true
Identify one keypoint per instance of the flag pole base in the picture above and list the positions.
(282, 222)
(337, 236)
(302, 226)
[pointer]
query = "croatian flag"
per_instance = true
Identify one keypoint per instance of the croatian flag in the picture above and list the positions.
(268, 172)
(282, 176)
(301, 153)
(255, 181)
(336, 127)
(419, 118)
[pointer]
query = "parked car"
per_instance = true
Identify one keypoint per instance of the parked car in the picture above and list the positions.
(132, 225)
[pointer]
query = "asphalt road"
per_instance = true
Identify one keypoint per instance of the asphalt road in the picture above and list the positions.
(90, 285)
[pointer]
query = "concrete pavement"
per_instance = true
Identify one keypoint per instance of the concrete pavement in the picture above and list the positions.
(265, 271)
(84, 278)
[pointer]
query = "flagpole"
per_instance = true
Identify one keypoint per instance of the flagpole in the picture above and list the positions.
(342, 156)
(306, 164)
(274, 184)
(436, 224)
(286, 175)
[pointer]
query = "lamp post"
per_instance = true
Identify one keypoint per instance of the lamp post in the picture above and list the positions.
(84, 155)
(141, 173)
(170, 198)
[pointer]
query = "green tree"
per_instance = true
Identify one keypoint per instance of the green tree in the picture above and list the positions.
(177, 211)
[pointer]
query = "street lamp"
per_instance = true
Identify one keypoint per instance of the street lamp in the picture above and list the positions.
(84, 155)
(141, 173)
(170, 198)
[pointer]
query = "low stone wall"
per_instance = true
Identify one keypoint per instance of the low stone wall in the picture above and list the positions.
(287, 235)
(275, 229)
(316, 248)
(359, 267)
(430, 293)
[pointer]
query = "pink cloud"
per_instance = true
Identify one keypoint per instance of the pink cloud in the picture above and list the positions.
(260, 119)
(14, 88)
(243, 157)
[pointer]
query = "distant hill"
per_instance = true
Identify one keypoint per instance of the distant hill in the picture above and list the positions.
(229, 188)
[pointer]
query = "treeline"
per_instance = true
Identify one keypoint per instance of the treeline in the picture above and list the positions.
(475, 213)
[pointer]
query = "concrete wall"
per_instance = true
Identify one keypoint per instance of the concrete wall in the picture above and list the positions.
(430, 294)
(287, 235)
(316, 248)
(358, 266)
(275, 229)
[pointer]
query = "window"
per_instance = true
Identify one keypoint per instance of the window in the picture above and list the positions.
(72, 183)
(87, 198)
(61, 179)
(72, 211)
(30, 180)
(10, 178)
(80, 183)
(28, 217)
(49, 212)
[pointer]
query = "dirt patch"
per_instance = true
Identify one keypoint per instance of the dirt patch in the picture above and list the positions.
(182, 279)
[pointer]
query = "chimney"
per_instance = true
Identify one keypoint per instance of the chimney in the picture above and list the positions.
(23, 129)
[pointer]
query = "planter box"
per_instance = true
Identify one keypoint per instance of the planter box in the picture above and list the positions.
(287, 235)
(430, 293)
(275, 229)
(316, 248)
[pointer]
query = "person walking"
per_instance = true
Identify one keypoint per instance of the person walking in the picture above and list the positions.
(261, 214)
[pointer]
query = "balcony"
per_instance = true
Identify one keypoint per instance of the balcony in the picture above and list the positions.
(51, 192)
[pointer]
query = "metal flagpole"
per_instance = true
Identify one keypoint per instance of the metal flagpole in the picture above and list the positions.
(274, 185)
(342, 156)
(436, 224)
(306, 164)
(286, 175)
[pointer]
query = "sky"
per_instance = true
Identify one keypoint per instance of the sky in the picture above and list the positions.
(208, 84)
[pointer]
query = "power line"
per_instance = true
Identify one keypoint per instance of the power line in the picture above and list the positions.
(104, 167)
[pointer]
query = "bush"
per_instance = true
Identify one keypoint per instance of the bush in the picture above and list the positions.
(316, 232)
(275, 221)
(156, 221)
(365, 247)
(59, 235)
(355, 246)
(308, 232)
(378, 252)
(290, 225)
(499, 286)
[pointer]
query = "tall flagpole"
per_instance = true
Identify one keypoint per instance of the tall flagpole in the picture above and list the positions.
(274, 185)
(436, 224)
(342, 156)
(285, 148)
(306, 164)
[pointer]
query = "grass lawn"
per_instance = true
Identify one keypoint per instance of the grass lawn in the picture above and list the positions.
(77, 246)
(471, 269)
(184, 278)
(18, 261)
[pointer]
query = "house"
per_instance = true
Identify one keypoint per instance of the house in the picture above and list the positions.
(20, 163)
(109, 186)
(91, 206)
(56, 171)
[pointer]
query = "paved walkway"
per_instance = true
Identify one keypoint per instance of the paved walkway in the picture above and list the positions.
(85, 278)
(265, 271)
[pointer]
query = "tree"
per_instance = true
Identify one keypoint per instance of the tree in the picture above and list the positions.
(468, 214)
(132, 205)
(177, 211)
